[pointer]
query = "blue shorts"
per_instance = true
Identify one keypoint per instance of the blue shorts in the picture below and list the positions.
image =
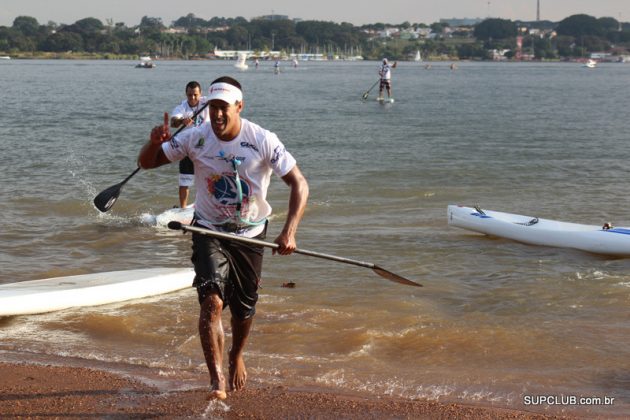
(230, 269)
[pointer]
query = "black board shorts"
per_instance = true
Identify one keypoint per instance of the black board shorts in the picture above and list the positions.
(229, 268)
(186, 172)
(186, 166)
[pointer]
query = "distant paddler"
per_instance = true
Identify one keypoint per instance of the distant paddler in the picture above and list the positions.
(182, 116)
(385, 73)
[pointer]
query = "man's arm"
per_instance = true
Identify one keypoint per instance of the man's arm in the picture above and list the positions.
(297, 204)
(176, 122)
(151, 154)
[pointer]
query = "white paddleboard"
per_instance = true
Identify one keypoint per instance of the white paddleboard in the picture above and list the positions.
(184, 216)
(385, 100)
(47, 295)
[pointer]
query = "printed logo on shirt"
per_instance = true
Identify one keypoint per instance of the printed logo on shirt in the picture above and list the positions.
(229, 159)
(248, 145)
(223, 188)
(277, 154)
(200, 143)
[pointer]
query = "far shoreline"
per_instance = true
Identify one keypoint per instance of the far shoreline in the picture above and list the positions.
(41, 55)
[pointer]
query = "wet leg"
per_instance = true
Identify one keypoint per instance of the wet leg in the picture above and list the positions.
(212, 342)
(240, 332)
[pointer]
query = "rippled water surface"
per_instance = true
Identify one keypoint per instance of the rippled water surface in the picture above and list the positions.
(496, 321)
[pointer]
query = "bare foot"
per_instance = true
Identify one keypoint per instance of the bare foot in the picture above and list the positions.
(217, 389)
(217, 395)
(238, 373)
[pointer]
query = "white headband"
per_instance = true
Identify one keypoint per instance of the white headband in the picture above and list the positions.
(225, 92)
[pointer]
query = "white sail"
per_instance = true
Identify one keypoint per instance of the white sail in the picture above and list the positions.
(240, 63)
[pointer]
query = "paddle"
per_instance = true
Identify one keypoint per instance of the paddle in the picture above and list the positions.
(378, 270)
(365, 95)
(107, 198)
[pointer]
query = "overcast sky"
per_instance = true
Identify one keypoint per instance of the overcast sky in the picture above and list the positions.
(357, 12)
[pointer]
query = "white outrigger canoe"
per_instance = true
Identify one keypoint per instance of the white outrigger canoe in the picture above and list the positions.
(537, 231)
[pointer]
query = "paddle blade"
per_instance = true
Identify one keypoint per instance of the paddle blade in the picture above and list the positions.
(107, 198)
(174, 225)
(394, 277)
(365, 95)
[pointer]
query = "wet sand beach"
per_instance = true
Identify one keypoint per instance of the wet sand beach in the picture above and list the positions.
(36, 391)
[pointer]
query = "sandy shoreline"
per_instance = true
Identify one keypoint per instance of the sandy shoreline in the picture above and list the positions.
(31, 391)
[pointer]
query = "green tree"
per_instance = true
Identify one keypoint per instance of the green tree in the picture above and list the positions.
(543, 48)
(203, 46)
(91, 32)
(150, 26)
(26, 25)
(471, 51)
(565, 45)
(608, 24)
(580, 25)
(237, 36)
(13, 40)
(86, 26)
(495, 29)
(438, 27)
(63, 41)
(190, 22)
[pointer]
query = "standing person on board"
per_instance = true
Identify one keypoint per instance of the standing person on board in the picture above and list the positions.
(182, 114)
(234, 160)
(385, 72)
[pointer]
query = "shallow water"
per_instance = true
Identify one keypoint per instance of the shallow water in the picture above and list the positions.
(496, 321)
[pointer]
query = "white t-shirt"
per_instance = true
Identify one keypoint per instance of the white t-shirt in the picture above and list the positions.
(260, 153)
(385, 72)
(184, 110)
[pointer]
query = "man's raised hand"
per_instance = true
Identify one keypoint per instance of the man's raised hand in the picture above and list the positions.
(161, 133)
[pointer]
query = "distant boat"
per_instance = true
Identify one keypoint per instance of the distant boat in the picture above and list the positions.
(145, 63)
(590, 63)
(241, 64)
(418, 57)
(4, 57)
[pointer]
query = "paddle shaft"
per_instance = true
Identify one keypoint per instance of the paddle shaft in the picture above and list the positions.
(272, 245)
(365, 95)
(106, 199)
(129, 177)
(252, 241)
(197, 112)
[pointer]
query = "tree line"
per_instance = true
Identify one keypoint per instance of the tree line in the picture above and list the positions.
(574, 36)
